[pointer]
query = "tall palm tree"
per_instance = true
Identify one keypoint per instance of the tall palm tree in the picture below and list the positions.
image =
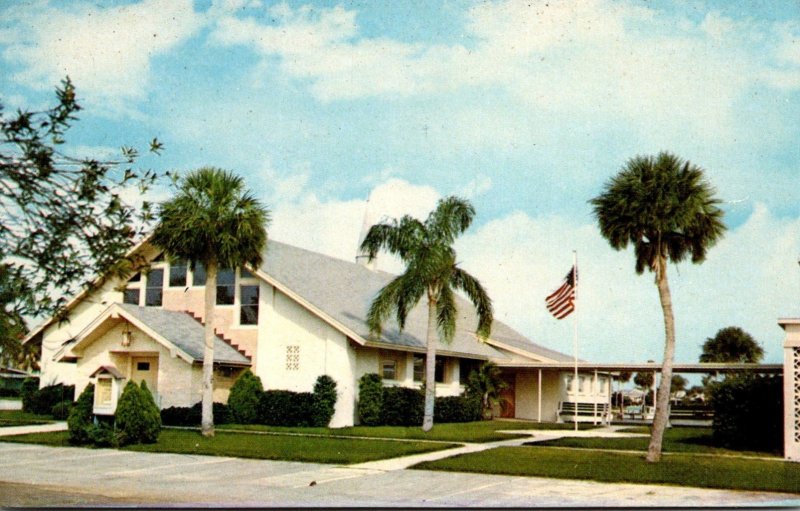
(432, 271)
(213, 220)
(665, 208)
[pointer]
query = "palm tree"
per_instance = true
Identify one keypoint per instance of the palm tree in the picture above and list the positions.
(213, 221)
(431, 270)
(664, 207)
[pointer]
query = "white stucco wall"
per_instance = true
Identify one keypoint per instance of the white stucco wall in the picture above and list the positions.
(527, 395)
(176, 377)
(791, 389)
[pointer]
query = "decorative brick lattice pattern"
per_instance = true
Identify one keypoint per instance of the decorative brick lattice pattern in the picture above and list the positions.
(796, 382)
(292, 358)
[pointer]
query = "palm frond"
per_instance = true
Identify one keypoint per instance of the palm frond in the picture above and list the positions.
(452, 216)
(446, 313)
(479, 298)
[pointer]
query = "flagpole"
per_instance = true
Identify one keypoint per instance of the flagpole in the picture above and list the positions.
(575, 335)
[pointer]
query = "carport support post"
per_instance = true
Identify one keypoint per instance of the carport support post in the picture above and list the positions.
(539, 408)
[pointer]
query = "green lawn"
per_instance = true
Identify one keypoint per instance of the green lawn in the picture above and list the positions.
(677, 439)
(19, 418)
(477, 432)
(269, 447)
(674, 469)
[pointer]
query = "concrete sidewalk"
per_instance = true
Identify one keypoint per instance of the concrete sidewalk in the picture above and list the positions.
(113, 477)
(33, 428)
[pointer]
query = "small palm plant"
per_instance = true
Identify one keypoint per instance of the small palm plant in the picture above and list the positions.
(213, 221)
(431, 271)
(487, 383)
(664, 207)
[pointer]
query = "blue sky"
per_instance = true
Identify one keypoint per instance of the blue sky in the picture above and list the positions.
(525, 108)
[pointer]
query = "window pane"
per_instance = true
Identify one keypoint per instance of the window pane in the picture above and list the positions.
(177, 273)
(466, 366)
(130, 296)
(225, 277)
(419, 367)
(153, 292)
(225, 295)
(199, 275)
(244, 274)
(135, 278)
(439, 370)
(388, 370)
(153, 297)
(155, 278)
(248, 296)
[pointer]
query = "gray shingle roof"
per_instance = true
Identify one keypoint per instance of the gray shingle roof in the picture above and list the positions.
(183, 331)
(344, 290)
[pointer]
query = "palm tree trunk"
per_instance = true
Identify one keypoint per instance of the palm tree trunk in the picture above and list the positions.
(207, 417)
(662, 398)
(430, 366)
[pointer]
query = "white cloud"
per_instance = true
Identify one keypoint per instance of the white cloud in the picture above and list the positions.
(602, 60)
(105, 51)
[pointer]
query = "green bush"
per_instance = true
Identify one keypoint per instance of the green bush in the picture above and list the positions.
(81, 416)
(370, 399)
(285, 408)
(41, 401)
(324, 401)
(137, 417)
(243, 400)
(748, 413)
(60, 411)
(104, 434)
(402, 406)
(457, 409)
(189, 416)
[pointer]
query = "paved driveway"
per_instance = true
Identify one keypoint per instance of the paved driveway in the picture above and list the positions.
(120, 477)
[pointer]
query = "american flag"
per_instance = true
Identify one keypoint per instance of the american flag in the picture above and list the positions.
(561, 302)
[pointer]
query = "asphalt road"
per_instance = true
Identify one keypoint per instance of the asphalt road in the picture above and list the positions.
(32, 475)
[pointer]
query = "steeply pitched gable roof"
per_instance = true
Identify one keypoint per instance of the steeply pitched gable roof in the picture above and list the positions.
(343, 291)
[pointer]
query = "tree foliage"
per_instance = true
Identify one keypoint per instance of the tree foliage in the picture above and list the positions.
(732, 344)
(643, 380)
(80, 417)
(664, 207)
(431, 271)
(64, 218)
(137, 418)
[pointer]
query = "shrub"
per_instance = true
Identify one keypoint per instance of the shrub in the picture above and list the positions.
(80, 417)
(285, 408)
(402, 406)
(748, 413)
(243, 400)
(137, 417)
(370, 399)
(41, 401)
(104, 434)
(457, 409)
(324, 404)
(189, 416)
(60, 411)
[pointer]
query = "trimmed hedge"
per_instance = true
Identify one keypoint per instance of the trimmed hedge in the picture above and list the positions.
(137, 417)
(244, 397)
(81, 417)
(402, 406)
(748, 413)
(457, 409)
(285, 408)
(370, 399)
(41, 401)
(189, 416)
(324, 404)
